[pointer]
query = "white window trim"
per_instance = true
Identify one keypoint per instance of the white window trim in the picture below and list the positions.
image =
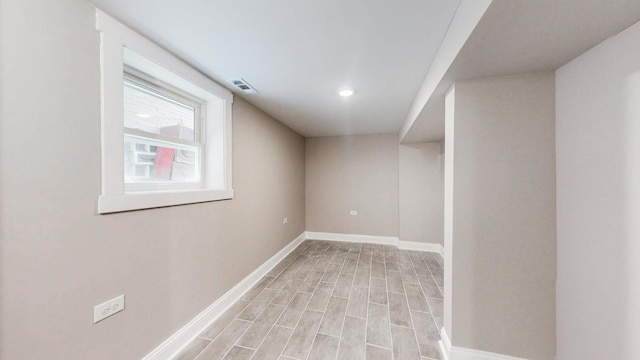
(116, 40)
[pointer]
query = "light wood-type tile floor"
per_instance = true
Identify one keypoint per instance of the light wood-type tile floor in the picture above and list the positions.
(334, 300)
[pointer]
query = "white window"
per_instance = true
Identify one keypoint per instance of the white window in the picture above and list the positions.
(162, 136)
(166, 128)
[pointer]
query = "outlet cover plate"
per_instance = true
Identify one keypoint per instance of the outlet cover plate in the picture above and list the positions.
(108, 308)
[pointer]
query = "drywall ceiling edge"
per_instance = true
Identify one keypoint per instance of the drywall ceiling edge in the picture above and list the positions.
(464, 22)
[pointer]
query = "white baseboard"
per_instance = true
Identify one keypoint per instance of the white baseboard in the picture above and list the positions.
(380, 240)
(178, 341)
(418, 246)
(366, 239)
(458, 353)
(450, 352)
(445, 344)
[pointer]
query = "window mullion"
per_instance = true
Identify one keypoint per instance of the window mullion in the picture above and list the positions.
(160, 137)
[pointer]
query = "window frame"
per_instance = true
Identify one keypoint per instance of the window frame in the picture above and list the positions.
(170, 93)
(122, 48)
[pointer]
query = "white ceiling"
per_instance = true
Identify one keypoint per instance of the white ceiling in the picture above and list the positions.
(298, 53)
(525, 36)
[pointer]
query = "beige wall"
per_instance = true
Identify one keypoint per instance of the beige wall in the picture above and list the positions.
(345, 173)
(503, 227)
(421, 193)
(58, 258)
(598, 165)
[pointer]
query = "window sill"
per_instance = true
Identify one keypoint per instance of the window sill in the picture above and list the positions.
(128, 202)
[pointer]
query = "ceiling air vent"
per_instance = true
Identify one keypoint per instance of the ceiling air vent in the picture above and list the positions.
(244, 86)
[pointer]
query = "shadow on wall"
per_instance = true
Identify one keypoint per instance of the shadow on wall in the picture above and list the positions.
(630, 251)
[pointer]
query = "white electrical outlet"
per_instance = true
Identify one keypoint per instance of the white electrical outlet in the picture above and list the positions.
(354, 212)
(108, 308)
(284, 221)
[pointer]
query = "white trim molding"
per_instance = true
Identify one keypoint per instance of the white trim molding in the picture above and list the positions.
(445, 344)
(418, 246)
(178, 341)
(183, 337)
(122, 48)
(450, 352)
(380, 240)
(366, 239)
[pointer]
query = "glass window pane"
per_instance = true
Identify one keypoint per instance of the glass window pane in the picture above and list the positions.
(150, 111)
(151, 161)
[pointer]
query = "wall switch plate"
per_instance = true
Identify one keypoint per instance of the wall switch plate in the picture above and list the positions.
(354, 212)
(108, 308)
(284, 221)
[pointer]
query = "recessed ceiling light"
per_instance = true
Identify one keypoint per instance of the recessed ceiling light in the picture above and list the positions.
(144, 116)
(345, 92)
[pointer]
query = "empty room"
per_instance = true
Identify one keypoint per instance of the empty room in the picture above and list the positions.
(293, 180)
